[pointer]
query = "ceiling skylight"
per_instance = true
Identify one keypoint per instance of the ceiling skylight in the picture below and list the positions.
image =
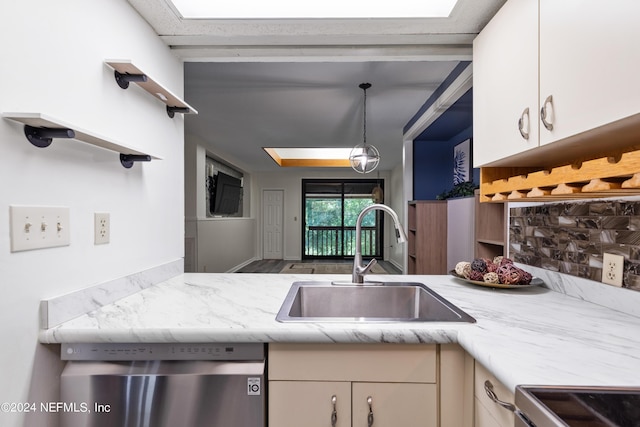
(289, 9)
(310, 157)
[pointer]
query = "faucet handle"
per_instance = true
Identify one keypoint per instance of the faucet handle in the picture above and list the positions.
(369, 266)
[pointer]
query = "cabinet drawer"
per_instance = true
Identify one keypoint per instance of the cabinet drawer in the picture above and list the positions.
(485, 407)
(408, 363)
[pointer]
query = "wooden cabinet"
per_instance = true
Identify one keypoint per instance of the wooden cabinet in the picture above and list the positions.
(427, 232)
(487, 412)
(400, 380)
(575, 60)
(491, 222)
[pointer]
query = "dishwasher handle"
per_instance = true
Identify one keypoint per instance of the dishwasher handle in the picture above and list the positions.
(488, 388)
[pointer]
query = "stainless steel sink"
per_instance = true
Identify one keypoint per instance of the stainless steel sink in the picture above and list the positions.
(386, 302)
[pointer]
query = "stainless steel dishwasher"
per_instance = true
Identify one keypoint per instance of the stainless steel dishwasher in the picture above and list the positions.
(163, 385)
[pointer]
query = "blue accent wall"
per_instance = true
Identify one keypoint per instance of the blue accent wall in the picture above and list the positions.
(433, 150)
(433, 165)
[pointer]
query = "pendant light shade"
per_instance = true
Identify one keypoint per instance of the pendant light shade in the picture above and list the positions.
(364, 157)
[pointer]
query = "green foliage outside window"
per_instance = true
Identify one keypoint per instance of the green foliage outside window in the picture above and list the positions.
(327, 212)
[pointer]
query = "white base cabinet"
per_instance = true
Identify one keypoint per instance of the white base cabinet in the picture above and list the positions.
(489, 413)
(395, 404)
(396, 383)
(310, 404)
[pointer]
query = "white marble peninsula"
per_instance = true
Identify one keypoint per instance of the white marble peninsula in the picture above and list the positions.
(524, 336)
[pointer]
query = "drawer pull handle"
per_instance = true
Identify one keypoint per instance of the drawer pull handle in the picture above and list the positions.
(543, 113)
(370, 416)
(334, 413)
(488, 388)
(521, 123)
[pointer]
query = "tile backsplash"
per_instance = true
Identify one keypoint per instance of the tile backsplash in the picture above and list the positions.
(571, 237)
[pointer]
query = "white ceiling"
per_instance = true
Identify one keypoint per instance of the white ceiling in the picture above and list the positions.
(264, 83)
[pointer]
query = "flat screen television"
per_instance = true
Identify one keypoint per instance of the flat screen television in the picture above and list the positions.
(227, 194)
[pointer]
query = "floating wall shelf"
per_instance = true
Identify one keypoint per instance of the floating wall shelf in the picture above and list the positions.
(40, 129)
(125, 72)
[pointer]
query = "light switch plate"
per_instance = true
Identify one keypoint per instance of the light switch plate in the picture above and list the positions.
(37, 227)
(612, 269)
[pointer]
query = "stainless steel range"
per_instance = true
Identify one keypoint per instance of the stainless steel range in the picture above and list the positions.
(577, 406)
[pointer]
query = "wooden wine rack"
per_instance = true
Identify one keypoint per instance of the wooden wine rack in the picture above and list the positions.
(615, 175)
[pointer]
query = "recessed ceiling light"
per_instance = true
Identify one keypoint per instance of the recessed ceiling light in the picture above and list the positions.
(310, 157)
(288, 9)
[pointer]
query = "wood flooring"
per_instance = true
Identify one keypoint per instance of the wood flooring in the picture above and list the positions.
(276, 265)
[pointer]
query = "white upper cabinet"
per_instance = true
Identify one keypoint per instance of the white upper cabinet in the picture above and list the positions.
(589, 61)
(571, 64)
(505, 83)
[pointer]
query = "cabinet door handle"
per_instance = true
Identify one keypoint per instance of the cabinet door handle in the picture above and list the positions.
(524, 134)
(488, 388)
(334, 413)
(370, 416)
(543, 112)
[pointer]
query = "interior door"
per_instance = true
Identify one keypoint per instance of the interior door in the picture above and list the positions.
(272, 208)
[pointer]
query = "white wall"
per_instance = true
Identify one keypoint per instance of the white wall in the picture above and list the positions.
(225, 244)
(290, 180)
(398, 203)
(218, 245)
(52, 62)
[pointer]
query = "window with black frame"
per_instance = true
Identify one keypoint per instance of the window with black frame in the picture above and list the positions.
(329, 211)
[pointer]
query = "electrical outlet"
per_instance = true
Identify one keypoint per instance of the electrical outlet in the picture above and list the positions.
(102, 228)
(37, 227)
(612, 269)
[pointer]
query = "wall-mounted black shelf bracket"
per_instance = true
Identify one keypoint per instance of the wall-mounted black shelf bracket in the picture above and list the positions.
(128, 160)
(171, 111)
(123, 79)
(42, 137)
(126, 72)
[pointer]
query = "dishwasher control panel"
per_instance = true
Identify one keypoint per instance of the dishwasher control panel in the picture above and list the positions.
(162, 351)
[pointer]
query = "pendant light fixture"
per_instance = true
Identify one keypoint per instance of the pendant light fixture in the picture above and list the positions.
(364, 158)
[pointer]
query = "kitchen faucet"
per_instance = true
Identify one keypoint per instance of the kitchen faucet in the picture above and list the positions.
(358, 270)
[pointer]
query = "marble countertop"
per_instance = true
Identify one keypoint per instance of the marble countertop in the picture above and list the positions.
(524, 336)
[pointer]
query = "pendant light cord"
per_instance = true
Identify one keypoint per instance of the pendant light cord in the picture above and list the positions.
(364, 127)
(364, 87)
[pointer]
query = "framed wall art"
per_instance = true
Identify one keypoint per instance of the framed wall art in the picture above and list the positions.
(462, 162)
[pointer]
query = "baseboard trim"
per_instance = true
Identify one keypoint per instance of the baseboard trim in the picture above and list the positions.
(242, 265)
(396, 265)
